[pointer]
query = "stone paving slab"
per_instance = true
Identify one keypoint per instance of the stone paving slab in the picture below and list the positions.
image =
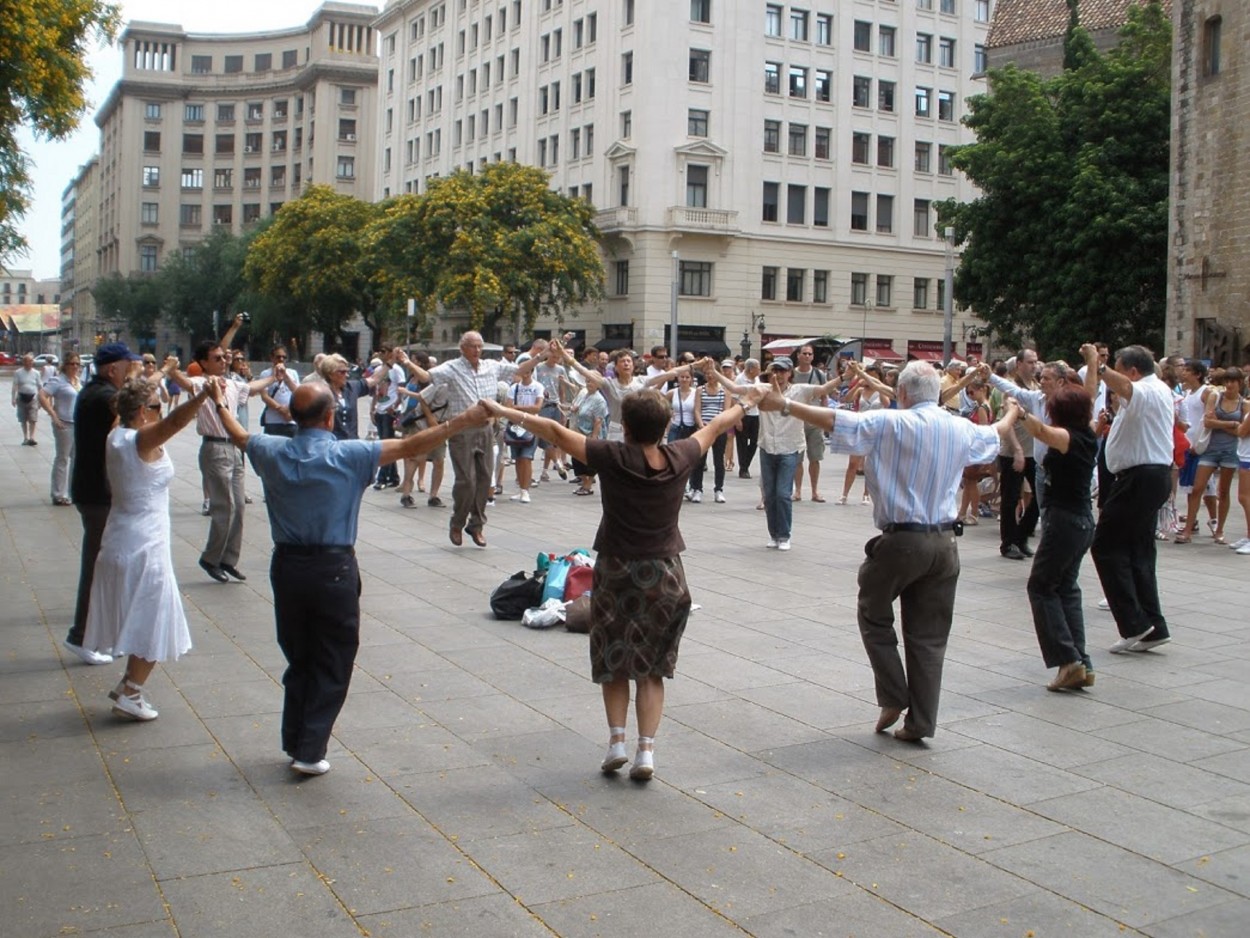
(465, 797)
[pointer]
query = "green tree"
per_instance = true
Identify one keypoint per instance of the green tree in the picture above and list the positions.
(43, 45)
(135, 299)
(1068, 241)
(208, 278)
(313, 255)
(487, 243)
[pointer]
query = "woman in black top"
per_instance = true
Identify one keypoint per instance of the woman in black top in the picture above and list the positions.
(1068, 531)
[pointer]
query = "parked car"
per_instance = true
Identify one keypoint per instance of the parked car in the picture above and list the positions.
(47, 359)
(7, 358)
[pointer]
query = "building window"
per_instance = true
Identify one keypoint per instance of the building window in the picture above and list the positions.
(222, 179)
(201, 64)
(824, 85)
(193, 143)
(223, 215)
(820, 286)
(924, 48)
(948, 6)
(768, 284)
(946, 52)
(152, 111)
(859, 211)
(798, 81)
(623, 176)
(921, 221)
(279, 141)
(255, 111)
(924, 102)
(981, 11)
(824, 29)
(944, 160)
(290, 58)
(794, 284)
(225, 113)
(193, 113)
(695, 279)
(696, 122)
(861, 91)
(251, 177)
(885, 291)
(821, 149)
(862, 37)
(253, 142)
(885, 96)
(798, 25)
(980, 61)
(224, 144)
(924, 154)
(772, 136)
(629, 12)
(772, 20)
(627, 68)
(277, 174)
(346, 167)
(347, 97)
(885, 152)
(701, 11)
(264, 60)
(820, 207)
(193, 179)
(700, 65)
(920, 293)
(772, 194)
(798, 140)
(861, 146)
(149, 213)
(885, 214)
(696, 186)
(151, 176)
(190, 216)
(946, 105)
(1211, 30)
(152, 141)
(627, 124)
(772, 78)
(147, 258)
(859, 289)
(622, 278)
(796, 205)
(234, 63)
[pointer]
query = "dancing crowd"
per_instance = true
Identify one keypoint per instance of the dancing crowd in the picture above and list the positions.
(1091, 458)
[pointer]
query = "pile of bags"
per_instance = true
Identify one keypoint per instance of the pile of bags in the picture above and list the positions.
(558, 591)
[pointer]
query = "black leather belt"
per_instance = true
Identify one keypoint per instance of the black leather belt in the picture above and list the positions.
(910, 528)
(215, 439)
(311, 550)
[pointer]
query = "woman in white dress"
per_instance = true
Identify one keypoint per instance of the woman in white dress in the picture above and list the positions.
(135, 607)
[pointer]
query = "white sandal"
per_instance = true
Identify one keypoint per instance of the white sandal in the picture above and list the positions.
(617, 755)
(131, 702)
(644, 760)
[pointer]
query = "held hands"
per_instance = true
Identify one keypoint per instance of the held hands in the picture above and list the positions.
(213, 390)
(766, 400)
(479, 415)
(751, 397)
(170, 365)
(1089, 353)
(493, 408)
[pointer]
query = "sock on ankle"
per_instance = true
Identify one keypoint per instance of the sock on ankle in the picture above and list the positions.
(649, 741)
(615, 731)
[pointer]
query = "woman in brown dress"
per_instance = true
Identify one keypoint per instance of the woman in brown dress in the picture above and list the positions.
(639, 598)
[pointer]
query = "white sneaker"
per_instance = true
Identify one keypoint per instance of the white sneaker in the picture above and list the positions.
(783, 543)
(135, 707)
(644, 765)
(490, 503)
(1125, 644)
(320, 767)
(1244, 549)
(86, 654)
(617, 757)
(1104, 605)
(1147, 645)
(696, 496)
(204, 508)
(719, 497)
(525, 497)
(1238, 545)
(772, 542)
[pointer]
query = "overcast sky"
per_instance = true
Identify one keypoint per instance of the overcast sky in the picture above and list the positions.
(55, 164)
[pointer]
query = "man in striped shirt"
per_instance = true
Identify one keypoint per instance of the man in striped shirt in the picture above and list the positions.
(915, 458)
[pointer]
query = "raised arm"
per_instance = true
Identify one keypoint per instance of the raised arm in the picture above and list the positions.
(594, 380)
(968, 377)
(154, 436)
(235, 325)
(1090, 354)
(412, 367)
(552, 431)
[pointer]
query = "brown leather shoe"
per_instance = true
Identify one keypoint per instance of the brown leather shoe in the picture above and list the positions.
(1089, 678)
(907, 736)
(479, 537)
(456, 535)
(1070, 677)
(889, 716)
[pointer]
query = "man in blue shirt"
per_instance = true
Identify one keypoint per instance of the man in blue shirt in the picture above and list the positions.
(313, 487)
(915, 458)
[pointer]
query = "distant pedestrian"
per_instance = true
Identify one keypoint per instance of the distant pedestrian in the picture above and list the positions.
(58, 397)
(27, 380)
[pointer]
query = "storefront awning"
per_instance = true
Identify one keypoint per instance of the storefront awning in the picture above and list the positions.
(881, 353)
(925, 355)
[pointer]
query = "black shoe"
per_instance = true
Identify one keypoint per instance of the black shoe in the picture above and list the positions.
(1012, 552)
(434, 501)
(379, 486)
(233, 572)
(1026, 549)
(407, 501)
(215, 572)
(744, 474)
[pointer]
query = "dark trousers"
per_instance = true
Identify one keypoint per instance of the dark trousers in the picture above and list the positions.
(748, 441)
(316, 602)
(1124, 549)
(718, 466)
(94, 518)
(471, 453)
(388, 474)
(1054, 592)
(1011, 484)
(921, 571)
(278, 429)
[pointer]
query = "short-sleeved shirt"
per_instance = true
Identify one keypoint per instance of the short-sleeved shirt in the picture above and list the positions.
(586, 407)
(1069, 475)
(346, 416)
(64, 395)
(281, 395)
(780, 434)
(466, 386)
(313, 485)
(526, 395)
(1141, 434)
(549, 377)
(27, 381)
(93, 419)
(641, 504)
(615, 392)
(207, 420)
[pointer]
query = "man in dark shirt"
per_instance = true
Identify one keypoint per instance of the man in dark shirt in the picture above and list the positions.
(89, 484)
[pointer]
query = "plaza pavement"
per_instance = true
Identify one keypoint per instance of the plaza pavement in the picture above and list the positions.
(465, 797)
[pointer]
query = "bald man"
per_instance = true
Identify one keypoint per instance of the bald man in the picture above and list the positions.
(313, 487)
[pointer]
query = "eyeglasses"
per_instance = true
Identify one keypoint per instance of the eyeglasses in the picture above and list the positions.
(217, 358)
(660, 356)
(279, 358)
(342, 371)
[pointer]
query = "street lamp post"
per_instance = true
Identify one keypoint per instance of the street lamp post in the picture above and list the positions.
(948, 304)
(757, 325)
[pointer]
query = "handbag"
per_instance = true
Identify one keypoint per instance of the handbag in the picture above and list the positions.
(517, 435)
(578, 581)
(514, 595)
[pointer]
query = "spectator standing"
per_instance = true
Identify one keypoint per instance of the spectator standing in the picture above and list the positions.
(59, 396)
(27, 380)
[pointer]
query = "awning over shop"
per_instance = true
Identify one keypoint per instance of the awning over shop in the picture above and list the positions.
(880, 351)
(612, 344)
(32, 319)
(925, 355)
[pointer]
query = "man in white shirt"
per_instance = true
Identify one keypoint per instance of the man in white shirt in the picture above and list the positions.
(1139, 455)
(1189, 413)
(276, 419)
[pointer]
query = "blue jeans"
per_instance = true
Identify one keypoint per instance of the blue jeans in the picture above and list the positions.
(777, 486)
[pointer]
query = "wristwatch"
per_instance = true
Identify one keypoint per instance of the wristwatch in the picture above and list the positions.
(785, 408)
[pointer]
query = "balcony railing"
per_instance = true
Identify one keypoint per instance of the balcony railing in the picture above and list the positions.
(702, 219)
(614, 219)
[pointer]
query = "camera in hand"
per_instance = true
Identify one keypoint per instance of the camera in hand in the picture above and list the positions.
(245, 318)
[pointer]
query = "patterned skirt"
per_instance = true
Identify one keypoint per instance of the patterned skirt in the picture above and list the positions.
(638, 613)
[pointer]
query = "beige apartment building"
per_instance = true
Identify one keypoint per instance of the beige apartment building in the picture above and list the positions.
(79, 262)
(789, 155)
(214, 130)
